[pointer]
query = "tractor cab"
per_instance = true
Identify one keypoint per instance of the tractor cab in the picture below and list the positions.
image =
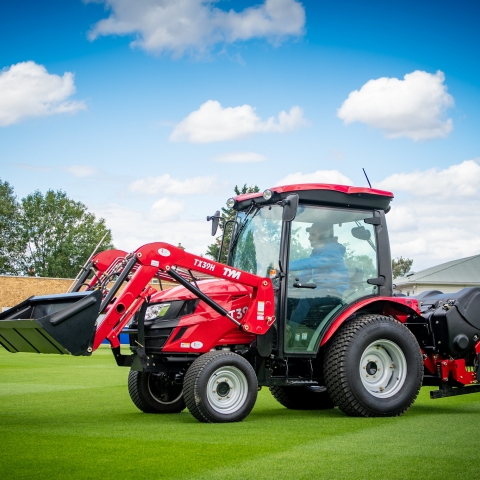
(329, 252)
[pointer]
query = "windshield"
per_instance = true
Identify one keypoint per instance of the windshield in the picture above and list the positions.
(257, 247)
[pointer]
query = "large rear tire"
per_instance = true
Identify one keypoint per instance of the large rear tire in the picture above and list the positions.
(373, 367)
(301, 398)
(220, 387)
(155, 392)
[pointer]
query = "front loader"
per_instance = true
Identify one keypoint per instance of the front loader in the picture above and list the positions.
(277, 314)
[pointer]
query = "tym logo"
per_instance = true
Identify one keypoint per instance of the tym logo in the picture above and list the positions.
(228, 272)
(205, 265)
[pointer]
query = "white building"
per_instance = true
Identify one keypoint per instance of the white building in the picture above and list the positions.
(447, 277)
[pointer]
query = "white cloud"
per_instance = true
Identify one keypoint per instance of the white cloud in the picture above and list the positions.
(320, 176)
(82, 171)
(165, 209)
(434, 215)
(28, 90)
(414, 107)
(196, 25)
(456, 181)
(434, 218)
(213, 123)
(165, 184)
(240, 157)
(132, 228)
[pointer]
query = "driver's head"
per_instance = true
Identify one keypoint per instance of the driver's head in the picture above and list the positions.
(320, 233)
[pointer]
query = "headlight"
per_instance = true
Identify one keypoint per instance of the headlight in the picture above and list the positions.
(267, 194)
(230, 202)
(156, 311)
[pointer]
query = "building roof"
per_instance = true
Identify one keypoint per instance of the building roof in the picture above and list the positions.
(462, 271)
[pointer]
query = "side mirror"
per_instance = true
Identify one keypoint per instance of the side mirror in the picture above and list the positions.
(290, 207)
(215, 219)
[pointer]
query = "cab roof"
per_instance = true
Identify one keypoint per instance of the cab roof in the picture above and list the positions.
(321, 194)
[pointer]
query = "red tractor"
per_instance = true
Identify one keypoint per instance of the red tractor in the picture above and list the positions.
(304, 305)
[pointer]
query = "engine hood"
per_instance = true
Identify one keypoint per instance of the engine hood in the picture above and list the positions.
(214, 288)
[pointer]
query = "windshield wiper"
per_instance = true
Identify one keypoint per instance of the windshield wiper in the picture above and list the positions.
(242, 226)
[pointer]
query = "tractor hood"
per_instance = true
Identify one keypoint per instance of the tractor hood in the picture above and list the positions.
(218, 289)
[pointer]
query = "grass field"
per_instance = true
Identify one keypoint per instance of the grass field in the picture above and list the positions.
(69, 417)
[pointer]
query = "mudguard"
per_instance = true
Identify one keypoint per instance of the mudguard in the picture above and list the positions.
(397, 307)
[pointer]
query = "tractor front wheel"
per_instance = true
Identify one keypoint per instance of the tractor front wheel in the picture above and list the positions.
(220, 387)
(301, 398)
(155, 392)
(373, 367)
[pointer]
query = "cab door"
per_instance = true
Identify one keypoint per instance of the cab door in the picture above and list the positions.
(332, 254)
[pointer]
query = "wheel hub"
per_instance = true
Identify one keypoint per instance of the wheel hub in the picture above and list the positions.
(371, 368)
(383, 368)
(227, 390)
(223, 389)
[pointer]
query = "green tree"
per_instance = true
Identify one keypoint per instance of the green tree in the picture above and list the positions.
(228, 214)
(401, 266)
(59, 234)
(11, 246)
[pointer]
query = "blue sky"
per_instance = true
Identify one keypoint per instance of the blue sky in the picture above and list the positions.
(151, 123)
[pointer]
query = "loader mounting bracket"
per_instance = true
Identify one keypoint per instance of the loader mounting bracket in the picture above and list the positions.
(121, 359)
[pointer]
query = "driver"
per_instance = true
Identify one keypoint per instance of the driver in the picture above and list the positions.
(325, 268)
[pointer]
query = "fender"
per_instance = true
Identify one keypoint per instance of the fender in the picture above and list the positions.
(398, 308)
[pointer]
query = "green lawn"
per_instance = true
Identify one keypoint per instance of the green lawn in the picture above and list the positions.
(69, 417)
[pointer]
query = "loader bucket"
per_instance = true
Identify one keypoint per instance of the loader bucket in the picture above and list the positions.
(63, 323)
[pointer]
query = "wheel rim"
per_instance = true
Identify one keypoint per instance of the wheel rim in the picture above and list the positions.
(162, 390)
(383, 368)
(227, 390)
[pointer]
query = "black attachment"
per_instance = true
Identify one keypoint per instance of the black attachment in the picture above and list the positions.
(215, 219)
(265, 343)
(290, 207)
(122, 360)
(373, 220)
(365, 173)
(84, 275)
(63, 324)
(305, 285)
(447, 391)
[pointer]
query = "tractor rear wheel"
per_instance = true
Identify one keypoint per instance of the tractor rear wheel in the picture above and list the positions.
(155, 392)
(220, 387)
(373, 367)
(301, 398)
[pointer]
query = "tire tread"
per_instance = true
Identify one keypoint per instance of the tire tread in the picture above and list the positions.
(335, 368)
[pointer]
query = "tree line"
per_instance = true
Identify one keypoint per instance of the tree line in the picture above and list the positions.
(50, 235)
(47, 235)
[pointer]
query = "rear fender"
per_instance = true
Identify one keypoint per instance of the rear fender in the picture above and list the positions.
(399, 308)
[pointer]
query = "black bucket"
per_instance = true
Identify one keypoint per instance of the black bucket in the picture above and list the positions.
(63, 323)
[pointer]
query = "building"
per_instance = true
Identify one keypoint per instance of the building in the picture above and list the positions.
(447, 277)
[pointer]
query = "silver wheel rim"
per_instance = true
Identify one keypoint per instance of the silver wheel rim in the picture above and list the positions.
(155, 397)
(383, 368)
(227, 390)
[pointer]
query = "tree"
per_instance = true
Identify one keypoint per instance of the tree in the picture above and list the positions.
(59, 234)
(228, 214)
(11, 246)
(401, 266)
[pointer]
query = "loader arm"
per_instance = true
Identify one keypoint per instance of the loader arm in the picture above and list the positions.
(162, 258)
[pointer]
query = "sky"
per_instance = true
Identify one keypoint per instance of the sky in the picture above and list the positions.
(151, 111)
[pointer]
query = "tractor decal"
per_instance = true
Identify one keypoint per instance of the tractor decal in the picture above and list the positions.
(205, 265)
(229, 272)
